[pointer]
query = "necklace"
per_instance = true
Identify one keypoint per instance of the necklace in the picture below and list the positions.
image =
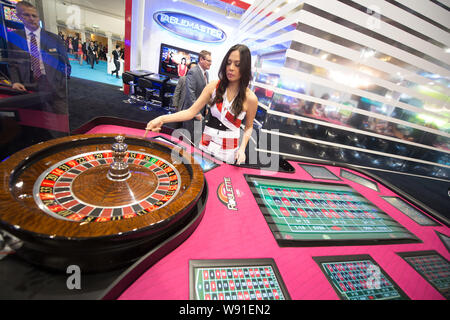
(232, 94)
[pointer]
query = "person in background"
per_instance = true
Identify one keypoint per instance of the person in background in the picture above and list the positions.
(196, 80)
(85, 47)
(80, 53)
(231, 102)
(40, 60)
(75, 42)
(105, 53)
(92, 54)
(182, 68)
(96, 51)
(116, 57)
(180, 90)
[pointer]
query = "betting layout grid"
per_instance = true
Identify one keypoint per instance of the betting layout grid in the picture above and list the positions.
(318, 211)
(319, 172)
(236, 280)
(432, 267)
(359, 278)
(52, 190)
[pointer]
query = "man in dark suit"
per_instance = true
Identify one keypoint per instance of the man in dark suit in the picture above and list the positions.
(38, 58)
(92, 54)
(196, 80)
(116, 57)
(75, 42)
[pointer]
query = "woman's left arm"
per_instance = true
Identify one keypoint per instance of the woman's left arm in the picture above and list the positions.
(252, 107)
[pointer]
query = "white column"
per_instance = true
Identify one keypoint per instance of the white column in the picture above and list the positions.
(137, 35)
(49, 15)
(109, 55)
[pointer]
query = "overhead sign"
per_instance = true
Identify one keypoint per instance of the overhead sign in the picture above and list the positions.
(189, 27)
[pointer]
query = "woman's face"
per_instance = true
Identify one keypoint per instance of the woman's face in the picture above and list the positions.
(233, 63)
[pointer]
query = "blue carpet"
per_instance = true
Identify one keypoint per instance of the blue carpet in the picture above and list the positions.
(98, 74)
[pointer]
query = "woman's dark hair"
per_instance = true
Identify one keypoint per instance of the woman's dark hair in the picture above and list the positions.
(245, 68)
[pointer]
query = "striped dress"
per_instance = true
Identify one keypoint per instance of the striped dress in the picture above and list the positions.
(221, 134)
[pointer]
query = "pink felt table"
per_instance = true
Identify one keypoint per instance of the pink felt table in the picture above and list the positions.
(244, 234)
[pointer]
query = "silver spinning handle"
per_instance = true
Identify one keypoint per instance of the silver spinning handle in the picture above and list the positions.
(118, 171)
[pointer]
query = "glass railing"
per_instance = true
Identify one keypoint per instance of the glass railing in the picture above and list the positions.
(32, 109)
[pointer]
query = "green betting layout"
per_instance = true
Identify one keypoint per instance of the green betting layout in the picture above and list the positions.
(360, 280)
(297, 210)
(433, 268)
(237, 283)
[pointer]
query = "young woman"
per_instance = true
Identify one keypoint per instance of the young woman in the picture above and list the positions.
(182, 68)
(231, 103)
(80, 52)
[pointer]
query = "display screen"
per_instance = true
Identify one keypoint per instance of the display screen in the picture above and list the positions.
(174, 62)
(411, 212)
(445, 240)
(11, 14)
(253, 279)
(302, 213)
(433, 267)
(359, 180)
(318, 172)
(359, 277)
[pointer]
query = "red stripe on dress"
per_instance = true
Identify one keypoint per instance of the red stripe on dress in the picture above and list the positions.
(236, 122)
(206, 140)
(219, 106)
(230, 143)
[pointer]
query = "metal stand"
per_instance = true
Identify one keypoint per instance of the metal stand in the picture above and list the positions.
(119, 170)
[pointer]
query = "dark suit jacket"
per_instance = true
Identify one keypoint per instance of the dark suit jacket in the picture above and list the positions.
(179, 94)
(54, 56)
(195, 83)
(116, 55)
(92, 51)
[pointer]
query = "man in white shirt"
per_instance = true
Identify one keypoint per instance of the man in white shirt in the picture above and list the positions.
(38, 58)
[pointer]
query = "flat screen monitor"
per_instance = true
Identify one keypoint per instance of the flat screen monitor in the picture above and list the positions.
(174, 62)
(10, 14)
(359, 277)
(433, 267)
(303, 213)
(243, 279)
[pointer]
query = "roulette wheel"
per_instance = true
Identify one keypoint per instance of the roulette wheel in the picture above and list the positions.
(98, 201)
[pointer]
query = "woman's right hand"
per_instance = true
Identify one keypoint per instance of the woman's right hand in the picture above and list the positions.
(155, 126)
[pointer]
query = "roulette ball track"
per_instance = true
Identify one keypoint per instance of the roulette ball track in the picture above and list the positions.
(62, 199)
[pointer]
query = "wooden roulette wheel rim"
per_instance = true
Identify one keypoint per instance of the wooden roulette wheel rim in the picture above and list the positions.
(57, 242)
